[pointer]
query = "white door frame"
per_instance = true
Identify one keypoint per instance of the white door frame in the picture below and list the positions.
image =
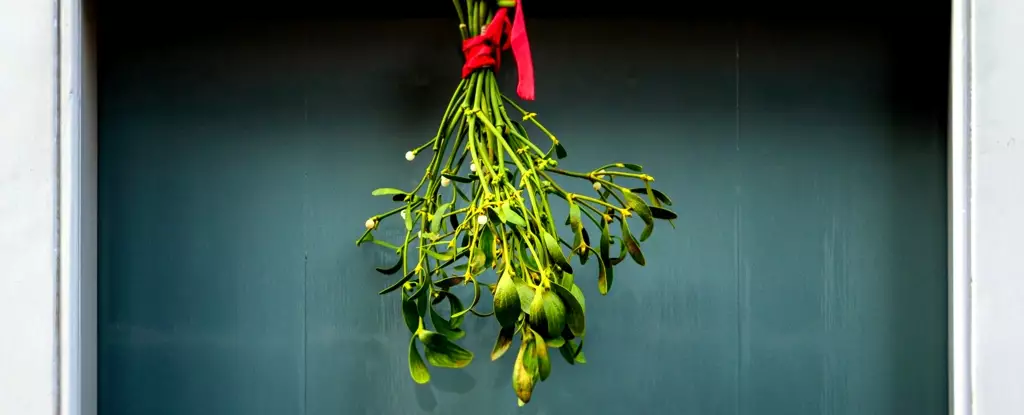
(78, 215)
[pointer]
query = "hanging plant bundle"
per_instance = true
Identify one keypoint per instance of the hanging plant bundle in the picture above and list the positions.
(484, 203)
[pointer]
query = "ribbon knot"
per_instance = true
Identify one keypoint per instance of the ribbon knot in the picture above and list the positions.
(484, 50)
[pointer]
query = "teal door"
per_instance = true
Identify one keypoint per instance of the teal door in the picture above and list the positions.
(807, 273)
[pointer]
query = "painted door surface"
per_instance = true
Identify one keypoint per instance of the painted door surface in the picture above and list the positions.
(806, 274)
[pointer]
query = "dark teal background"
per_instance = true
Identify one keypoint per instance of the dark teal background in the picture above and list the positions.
(807, 273)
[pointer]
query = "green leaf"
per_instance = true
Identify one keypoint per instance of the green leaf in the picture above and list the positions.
(631, 245)
(606, 242)
(524, 372)
(455, 178)
(408, 217)
(574, 312)
(585, 253)
(394, 268)
(555, 342)
(384, 191)
(547, 313)
(604, 277)
(636, 204)
(662, 213)
(410, 312)
(506, 301)
(444, 326)
(418, 370)
(366, 237)
(555, 251)
(512, 217)
(441, 352)
(454, 221)
(497, 212)
(560, 151)
(435, 220)
(503, 342)
(568, 352)
(577, 228)
(631, 166)
(578, 293)
(441, 256)
(397, 284)
(543, 360)
(487, 247)
(526, 295)
(450, 282)
(477, 262)
(454, 303)
(658, 195)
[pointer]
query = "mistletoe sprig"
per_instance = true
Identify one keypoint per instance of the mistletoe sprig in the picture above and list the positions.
(495, 214)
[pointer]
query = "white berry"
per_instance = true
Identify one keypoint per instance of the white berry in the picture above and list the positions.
(402, 213)
(472, 167)
(370, 223)
(445, 182)
(410, 156)
(597, 186)
(601, 174)
(482, 219)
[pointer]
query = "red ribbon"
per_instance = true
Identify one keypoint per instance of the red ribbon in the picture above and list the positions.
(484, 51)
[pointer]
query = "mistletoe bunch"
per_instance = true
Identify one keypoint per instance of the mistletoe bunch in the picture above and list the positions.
(483, 205)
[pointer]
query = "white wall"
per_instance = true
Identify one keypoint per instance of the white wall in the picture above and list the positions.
(28, 183)
(998, 151)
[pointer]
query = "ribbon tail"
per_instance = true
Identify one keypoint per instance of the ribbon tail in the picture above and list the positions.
(521, 50)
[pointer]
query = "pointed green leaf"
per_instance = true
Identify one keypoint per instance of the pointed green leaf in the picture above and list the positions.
(526, 294)
(560, 151)
(455, 178)
(497, 212)
(441, 256)
(632, 246)
(457, 311)
(543, 360)
(512, 217)
(410, 312)
(631, 166)
(524, 372)
(662, 213)
(506, 301)
(366, 237)
(658, 195)
(394, 268)
(585, 253)
(555, 251)
(487, 247)
(568, 352)
(574, 312)
(408, 217)
(435, 220)
(555, 342)
(502, 343)
(636, 204)
(441, 352)
(606, 242)
(547, 313)
(450, 282)
(477, 262)
(384, 191)
(397, 284)
(418, 370)
(444, 327)
(604, 277)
